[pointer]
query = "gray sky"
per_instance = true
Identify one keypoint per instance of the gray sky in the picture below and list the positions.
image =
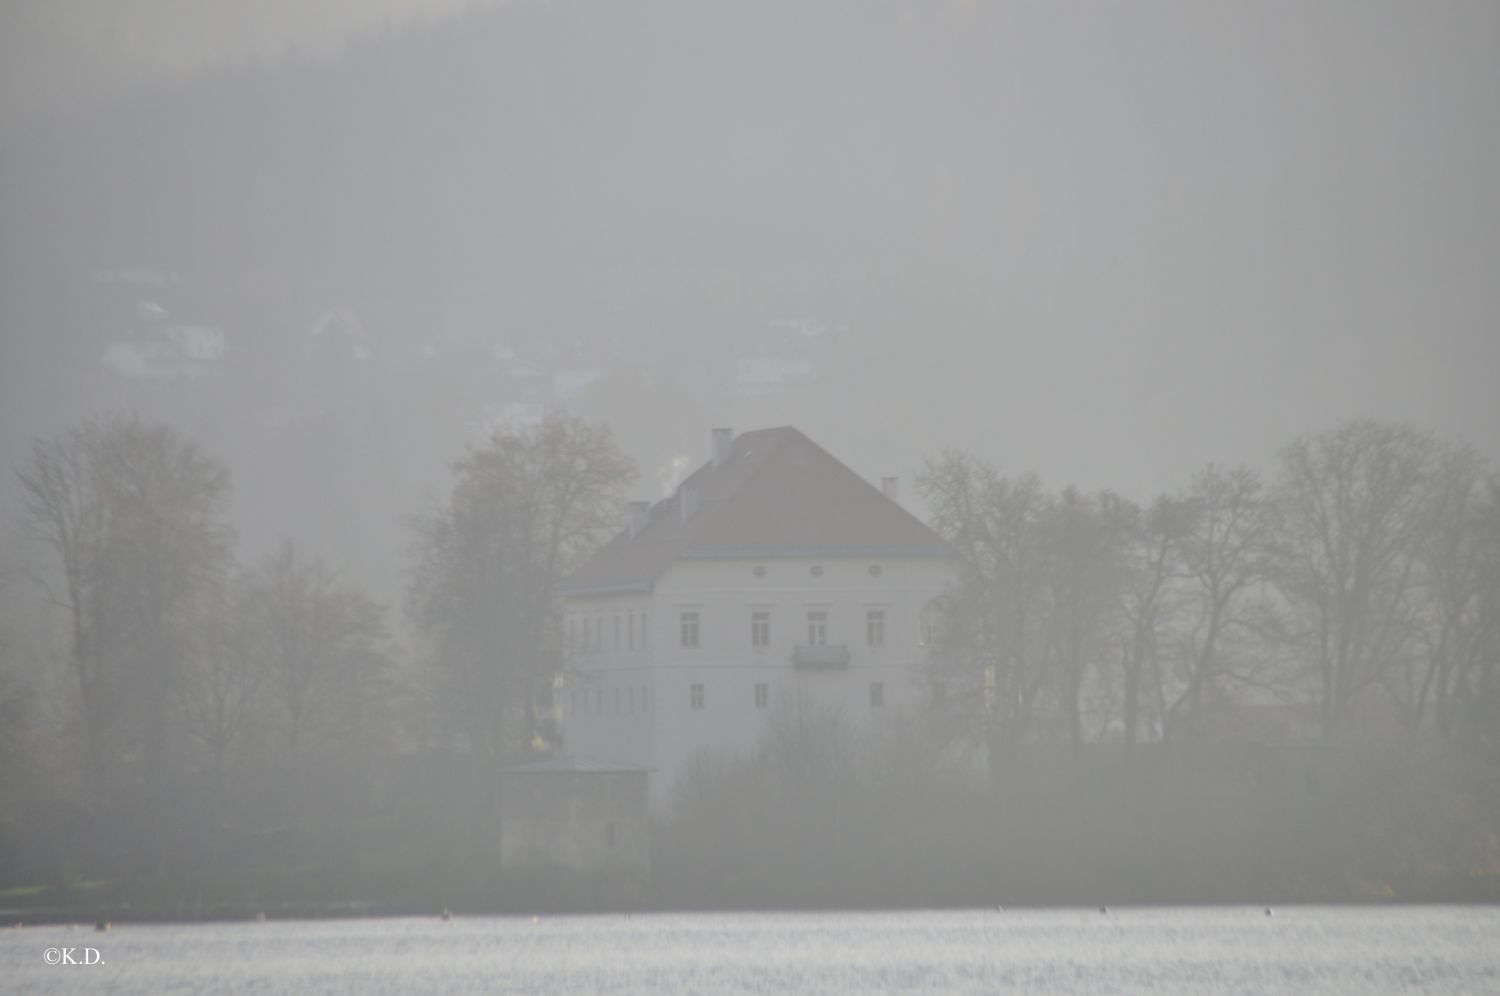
(1173, 232)
(336, 243)
(64, 51)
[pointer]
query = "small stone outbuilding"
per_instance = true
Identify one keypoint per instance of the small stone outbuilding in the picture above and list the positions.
(575, 813)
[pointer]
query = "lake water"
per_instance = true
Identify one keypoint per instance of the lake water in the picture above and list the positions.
(1437, 949)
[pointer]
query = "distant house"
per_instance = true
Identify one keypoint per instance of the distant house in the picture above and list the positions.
(774, 575)
(766, 373)
(783, 356)
(339, 331)
(169, 352)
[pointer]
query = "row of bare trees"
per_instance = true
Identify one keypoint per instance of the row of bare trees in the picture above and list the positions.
(183, 675)
(1360, 585)
(183, 672)
(172, 646)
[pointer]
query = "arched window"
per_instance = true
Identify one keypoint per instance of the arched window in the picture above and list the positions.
(933, 624)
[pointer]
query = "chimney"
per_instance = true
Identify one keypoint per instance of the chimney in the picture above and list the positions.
(722, 438)
(687, 502)
(888, 485)
(640, 517)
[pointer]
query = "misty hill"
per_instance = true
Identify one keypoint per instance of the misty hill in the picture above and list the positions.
(475, 164)
(644, 181)
(1089, 224)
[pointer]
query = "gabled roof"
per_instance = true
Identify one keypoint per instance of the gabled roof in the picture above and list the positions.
(777, 494)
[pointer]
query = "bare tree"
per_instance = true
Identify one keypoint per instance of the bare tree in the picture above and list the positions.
(996, 611)
(1151, 549)
(1224, 555)
(1039, 581)
(323, 641)
(224, 698)
(1356, 509)
(1084, 574)
(1477, 718)
(1461, 564)
(134, 517)
(525, 509)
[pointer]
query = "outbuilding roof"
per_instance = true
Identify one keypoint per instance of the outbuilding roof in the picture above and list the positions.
(575, 765)
(776, 493)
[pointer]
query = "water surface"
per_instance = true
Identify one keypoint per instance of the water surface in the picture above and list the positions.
(1436, 949)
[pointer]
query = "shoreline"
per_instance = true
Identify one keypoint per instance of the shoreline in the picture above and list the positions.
(127, 914)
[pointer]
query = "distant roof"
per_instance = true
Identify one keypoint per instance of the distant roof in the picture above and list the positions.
(777, 494)
(585, 765)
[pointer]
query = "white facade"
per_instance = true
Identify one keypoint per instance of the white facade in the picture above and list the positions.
(699, 661)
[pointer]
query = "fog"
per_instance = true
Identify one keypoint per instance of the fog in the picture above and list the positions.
(334, 337)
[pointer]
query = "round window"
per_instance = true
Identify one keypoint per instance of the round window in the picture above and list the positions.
(874, 570)
(817, 570)
(760, 571)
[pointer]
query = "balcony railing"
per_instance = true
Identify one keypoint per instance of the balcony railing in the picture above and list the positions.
(820, 656)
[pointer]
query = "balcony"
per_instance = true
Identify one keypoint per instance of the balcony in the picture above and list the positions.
(820, 657)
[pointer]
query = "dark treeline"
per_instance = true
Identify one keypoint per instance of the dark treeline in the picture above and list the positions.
(176, 719)
(1245, 690)
(1360, 585)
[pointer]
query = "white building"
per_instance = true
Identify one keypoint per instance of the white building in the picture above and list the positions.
(171, 352)
(774, 575)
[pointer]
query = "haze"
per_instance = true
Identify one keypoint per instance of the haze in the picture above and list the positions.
(1125, 239)
(335, 337)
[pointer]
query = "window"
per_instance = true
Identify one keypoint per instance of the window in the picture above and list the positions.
(762, 695)
(573, 703)
(875, 627)
(598, 635)
(632, 630)
(617, 632)
(645, 631)
(817, 570)
(598, 702)
(875, 570)
(695, 695)
(617, 701)
(877, 695)
(572, 641)
(760, 629)
(645, 698)
(933, 624)
(817, 629)
(609, 835)
(690, 630)
(630, 701)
